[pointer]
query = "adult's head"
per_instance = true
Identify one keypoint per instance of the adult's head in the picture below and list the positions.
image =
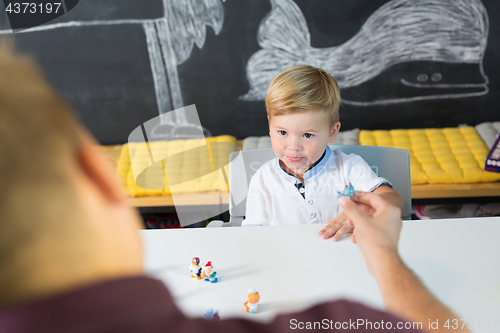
(63, 219)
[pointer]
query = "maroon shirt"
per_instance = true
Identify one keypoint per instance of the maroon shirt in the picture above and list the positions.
(142, 304)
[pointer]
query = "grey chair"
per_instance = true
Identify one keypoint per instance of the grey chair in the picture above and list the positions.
(390, 163)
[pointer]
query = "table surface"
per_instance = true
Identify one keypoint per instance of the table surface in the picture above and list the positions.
(423, 191)
(292, 268)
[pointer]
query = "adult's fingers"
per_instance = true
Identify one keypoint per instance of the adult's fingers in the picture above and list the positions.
(365, 208)
(352, 211)
(370, 199)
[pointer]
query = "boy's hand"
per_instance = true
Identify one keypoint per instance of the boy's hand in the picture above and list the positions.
(340, 225)
(337, 228)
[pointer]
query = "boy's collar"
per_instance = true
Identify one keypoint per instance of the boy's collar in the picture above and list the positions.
(320, 162)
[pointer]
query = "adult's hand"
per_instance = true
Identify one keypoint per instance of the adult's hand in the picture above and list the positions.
(377, 235)
(375, 231)
(340, 225)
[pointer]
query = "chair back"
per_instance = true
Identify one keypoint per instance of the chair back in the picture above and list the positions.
(390, 163)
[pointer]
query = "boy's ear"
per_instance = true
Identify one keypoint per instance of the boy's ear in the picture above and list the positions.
(334, 131)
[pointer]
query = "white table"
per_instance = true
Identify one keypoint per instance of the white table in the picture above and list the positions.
(292, 268)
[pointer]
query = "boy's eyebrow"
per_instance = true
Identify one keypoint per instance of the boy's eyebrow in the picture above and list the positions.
(305, 131)
(309, 131)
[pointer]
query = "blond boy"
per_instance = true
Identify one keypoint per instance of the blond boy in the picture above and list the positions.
(301, 184)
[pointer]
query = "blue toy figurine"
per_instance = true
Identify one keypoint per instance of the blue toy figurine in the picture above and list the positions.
(212, 314)
(210, 273)
(348, 191)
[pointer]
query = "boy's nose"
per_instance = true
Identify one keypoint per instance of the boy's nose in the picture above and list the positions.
(294, 143)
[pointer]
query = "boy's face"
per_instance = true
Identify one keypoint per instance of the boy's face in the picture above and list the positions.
(299, 139)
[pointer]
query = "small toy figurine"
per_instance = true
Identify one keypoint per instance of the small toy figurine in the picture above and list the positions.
(212, 314)
(210, 273)
(252, 303)
(196, 269)
(348, 191)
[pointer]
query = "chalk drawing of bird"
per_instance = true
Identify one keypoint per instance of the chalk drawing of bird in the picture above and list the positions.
(450, 32)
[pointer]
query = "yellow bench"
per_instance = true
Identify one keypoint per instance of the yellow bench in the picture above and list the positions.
(191, 170)
(447, 155)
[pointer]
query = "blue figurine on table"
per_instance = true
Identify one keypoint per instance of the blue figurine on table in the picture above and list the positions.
(212, 314)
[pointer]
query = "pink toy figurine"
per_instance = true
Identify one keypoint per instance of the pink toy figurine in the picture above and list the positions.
(252, 303)
(210, 273)
(196, 269)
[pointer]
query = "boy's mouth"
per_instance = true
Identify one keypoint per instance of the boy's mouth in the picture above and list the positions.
(294, 159)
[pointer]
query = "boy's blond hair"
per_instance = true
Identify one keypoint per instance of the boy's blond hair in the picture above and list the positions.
(303, 88)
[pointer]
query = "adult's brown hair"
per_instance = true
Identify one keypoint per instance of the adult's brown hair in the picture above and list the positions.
(47, 206)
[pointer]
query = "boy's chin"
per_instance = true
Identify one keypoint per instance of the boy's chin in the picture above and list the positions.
(297, 167)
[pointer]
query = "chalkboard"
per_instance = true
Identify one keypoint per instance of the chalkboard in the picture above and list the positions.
(399, 63)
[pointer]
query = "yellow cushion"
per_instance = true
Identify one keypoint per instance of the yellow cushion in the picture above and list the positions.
(447, 155)
(180, 166)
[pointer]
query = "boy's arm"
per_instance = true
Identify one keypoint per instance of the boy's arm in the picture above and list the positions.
(388, 194)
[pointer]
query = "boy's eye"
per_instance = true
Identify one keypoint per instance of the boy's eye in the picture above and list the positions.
(308, 135)
(281, 132)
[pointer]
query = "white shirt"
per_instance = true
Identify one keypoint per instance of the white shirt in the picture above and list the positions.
(274, 199)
